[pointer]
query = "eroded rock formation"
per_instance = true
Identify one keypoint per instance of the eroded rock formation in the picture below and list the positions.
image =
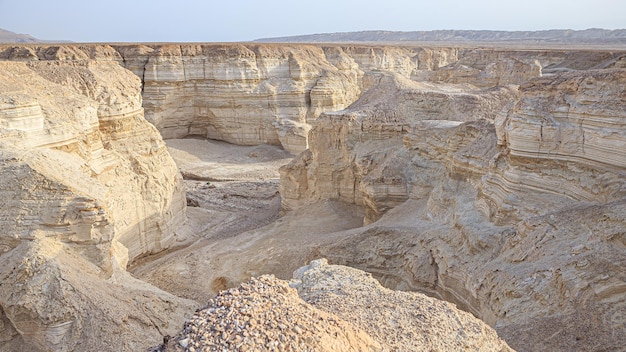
(245, 95)
(87, 186)
(497, 208)
(400, 321)
(490, 178)
(269, 93)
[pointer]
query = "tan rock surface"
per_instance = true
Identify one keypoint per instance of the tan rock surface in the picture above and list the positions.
(335, 308)
(252, 94)
(499, 215)
(467, 198)
(498, 73)
(352, 152)
(565, 138)
(400, 321)
(245, 95)
(87, 186)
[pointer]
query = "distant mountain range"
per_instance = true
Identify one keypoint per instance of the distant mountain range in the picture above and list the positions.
(11, 37)
(587, 36)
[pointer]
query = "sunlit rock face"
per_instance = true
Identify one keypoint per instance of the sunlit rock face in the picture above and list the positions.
(565, 139)
(87, 185)
(252, 94)
(490, 178)
(244, 94)
(352, 152)
(508, 201)
(95, 121)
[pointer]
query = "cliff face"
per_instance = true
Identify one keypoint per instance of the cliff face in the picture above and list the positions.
(251, 94)
(565, 138)
(247, 95)
(483, 182)
(89, 138)
(87, 185)
(488, 198)
(353, 151)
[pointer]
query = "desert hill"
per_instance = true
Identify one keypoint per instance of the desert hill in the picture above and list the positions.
(558, 36)
(11, 37)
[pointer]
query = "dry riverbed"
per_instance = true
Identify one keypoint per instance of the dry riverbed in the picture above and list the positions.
(235, 229)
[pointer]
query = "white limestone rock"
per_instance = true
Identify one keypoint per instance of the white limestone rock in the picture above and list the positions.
(87, 186)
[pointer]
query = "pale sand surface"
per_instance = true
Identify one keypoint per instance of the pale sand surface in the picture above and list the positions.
(234, 228)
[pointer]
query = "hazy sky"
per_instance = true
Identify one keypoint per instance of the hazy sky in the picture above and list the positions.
(243, 20)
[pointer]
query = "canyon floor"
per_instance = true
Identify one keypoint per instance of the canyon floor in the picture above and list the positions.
(235, 228)
(237, 234)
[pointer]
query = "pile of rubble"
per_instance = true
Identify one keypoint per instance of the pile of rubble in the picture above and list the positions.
(265, 314)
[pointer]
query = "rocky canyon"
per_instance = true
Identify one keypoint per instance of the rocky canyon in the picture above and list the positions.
(141, 181)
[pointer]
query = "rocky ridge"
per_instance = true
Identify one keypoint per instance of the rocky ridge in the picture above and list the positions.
(478, 208)
(11, 37)
(589, 36)
(343, 308)
(249, 94)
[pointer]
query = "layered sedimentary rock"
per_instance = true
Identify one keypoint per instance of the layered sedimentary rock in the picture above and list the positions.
(498, 73)
(267, 93)
(565, 138)
(513, 209)
(87, 185)
(507, 200)
(354, 151)
(246, 95)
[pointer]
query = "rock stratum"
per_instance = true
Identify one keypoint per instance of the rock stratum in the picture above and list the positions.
(491, 178)
(507, 201)
(87, 186)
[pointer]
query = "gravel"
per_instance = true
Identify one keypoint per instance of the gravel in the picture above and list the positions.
(265, 314)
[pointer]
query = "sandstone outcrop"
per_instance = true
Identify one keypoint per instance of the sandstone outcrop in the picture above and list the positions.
(251, 94)
(498, 73)
(565, 138)
(515, 214)
(246, 95)
(353, 154)
(87, 185)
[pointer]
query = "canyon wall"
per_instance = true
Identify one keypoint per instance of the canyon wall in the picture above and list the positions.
(251, 94)
(243, 94)
(490, 178)
(508, 201)
(87, 186)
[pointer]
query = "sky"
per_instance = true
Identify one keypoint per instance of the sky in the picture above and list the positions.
(246, 20)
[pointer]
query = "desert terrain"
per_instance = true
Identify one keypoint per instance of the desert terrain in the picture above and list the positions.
(462, 197)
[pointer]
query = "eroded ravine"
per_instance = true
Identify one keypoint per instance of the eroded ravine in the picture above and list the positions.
(479, 182)
(240, 231)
